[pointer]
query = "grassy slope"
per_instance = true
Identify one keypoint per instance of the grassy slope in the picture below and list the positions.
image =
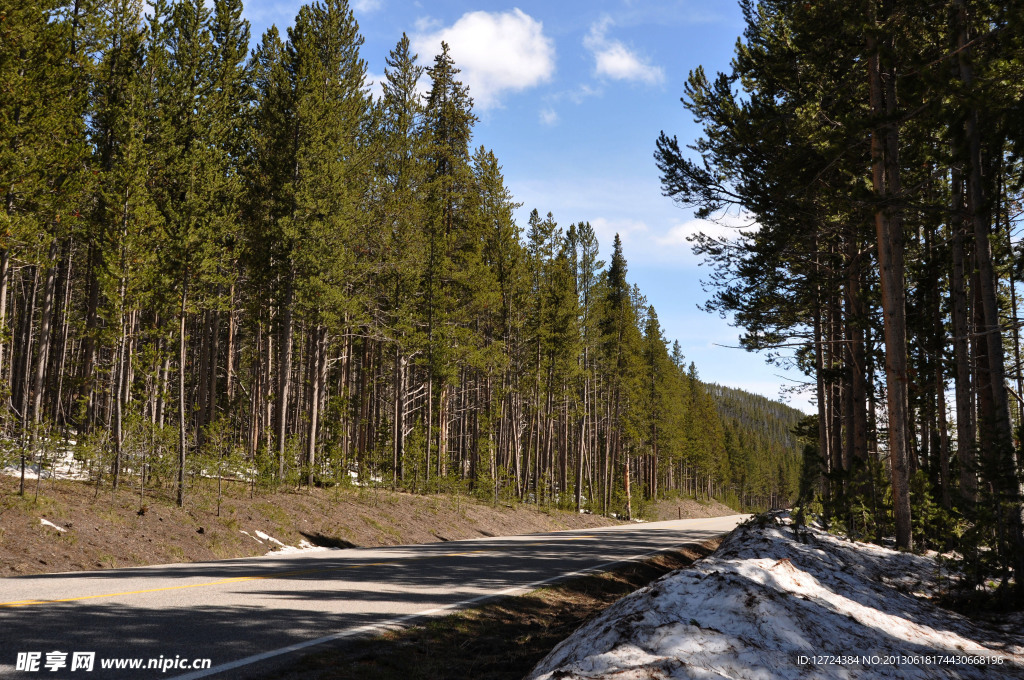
(117, 530)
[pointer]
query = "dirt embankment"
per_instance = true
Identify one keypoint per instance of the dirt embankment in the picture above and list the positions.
(117, 530)
(108, 530)
(686, 508)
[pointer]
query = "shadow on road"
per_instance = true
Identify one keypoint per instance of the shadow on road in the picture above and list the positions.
(272, 602)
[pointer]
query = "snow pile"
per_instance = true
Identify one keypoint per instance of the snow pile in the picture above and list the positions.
(303, 546)
(768, 605)
(269, 538)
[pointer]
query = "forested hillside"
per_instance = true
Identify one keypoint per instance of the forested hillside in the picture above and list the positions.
(876, 149)
(763, 452)
(219, 262)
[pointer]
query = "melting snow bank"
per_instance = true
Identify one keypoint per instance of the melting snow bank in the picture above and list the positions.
(767, 605)
(303, 546)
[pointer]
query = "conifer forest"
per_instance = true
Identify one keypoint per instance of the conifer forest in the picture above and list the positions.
(877, 147)
(226, 259)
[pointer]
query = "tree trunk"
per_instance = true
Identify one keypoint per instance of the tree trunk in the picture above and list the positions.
(229, 387)
(182, 412)
(284, 375)
(24, 368)
(858, 371)
(211, 365)
(318, 368)
(889, 232)
(44, 339)
(118, 380)
(91, 340)
(61, 351)
(398, 417)
(965, 433)
(5, 274)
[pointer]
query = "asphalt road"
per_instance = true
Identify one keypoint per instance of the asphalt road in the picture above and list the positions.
(243, 615)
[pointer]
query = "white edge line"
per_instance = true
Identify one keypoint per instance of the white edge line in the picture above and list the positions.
(398, 622)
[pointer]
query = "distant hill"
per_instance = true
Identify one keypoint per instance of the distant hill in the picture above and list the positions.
(763, 452)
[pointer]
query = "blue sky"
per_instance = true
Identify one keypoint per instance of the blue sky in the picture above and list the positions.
(571, 97)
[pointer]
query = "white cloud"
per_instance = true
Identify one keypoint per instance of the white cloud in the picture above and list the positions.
(584, 92)
(498, 52)
(577, 95)
(426, 24)
(616, 61)
(548, 116)
(729, 226)
(629, 230)
(367, 6)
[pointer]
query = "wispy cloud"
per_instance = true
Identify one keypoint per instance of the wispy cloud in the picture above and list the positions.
(612, 59)
(629, 230)
(729, 226)
(548, 117)
(367, 6)
(498, 52)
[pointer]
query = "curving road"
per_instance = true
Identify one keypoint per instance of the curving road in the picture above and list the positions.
(242, 616)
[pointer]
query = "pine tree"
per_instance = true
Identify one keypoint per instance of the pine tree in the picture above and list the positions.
(330, 108)
(449, 122)
(401, 178)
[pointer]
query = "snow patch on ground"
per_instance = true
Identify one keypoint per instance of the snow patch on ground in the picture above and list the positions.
(768, 598)
(281, 548)
(251, 536)
(48, 523)
(303, 546)
(269, 538)
(62, 465)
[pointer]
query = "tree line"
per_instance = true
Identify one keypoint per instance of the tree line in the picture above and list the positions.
(877, 147)
(240, 264)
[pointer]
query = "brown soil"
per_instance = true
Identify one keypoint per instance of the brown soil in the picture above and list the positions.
(686, 508)
(500, 641)
(117, 530)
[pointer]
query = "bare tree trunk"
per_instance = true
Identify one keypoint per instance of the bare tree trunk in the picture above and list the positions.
(5, 275)
(182, 412)
(211, 389)
(1015, 325)
(24, 368)
(430, 422)
(442, 429)
(398, 433)
(44, 339)
(91, 341)
(819, 382)
(1001, 439)
(318, 368)
(889, 231)
(61, 351)
(995, 379)
(965, 433)
(858, 369)
(232, 330)
(202, 375)
(118, 380)
(284, 376)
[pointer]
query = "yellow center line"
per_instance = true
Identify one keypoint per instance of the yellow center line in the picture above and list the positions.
(260, 577)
